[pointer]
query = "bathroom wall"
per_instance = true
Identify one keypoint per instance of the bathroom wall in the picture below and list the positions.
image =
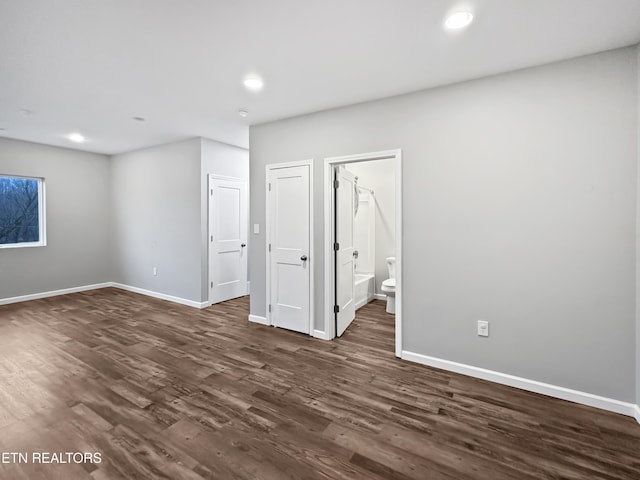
(379, 175)
(519, 204)
(364, 226)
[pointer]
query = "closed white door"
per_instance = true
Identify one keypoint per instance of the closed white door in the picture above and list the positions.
(289, 239)
(227, 239)
(345, 249)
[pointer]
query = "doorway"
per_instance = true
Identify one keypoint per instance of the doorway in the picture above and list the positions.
(228, 224)
(336, 228)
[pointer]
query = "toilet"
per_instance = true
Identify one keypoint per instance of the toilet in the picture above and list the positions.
(389, 285)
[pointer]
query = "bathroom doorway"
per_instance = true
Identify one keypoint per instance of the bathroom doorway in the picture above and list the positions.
(356, 249)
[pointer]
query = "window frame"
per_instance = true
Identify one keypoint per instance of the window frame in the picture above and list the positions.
(42, 220)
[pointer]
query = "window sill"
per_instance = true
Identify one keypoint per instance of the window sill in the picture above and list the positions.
(23, 245)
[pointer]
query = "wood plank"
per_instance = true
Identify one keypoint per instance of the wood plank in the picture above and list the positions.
(167, 391)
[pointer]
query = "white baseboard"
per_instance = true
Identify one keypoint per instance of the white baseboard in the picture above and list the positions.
(380, 296)
(258, 319)
(161, 296)
(637, 413)
(526, 384)
(53, 293)
(321, 334)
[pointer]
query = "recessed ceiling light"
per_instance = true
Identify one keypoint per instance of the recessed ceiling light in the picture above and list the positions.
(139, 119)
(253, 83)
(76, 137)
(458, 20)
(243, 113)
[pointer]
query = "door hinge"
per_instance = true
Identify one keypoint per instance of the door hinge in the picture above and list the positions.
(269, 308)
(211, 284)
(336, 184)
(212, 191)
(212, 238)
(269, 186)
(336, 246)
(269, 247)
(336, 308)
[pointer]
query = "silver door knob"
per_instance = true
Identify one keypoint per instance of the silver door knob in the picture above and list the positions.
(355, 254)
(243, 245)
(303, 258)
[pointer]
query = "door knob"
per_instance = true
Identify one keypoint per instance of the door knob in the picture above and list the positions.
(243, 245)
(303, 258)
(355, 254)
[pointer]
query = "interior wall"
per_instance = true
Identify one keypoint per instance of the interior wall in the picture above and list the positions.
(519, 195)
(379, 175)
(227, 161)
(76, 200)
(156, 219)
(638, 244)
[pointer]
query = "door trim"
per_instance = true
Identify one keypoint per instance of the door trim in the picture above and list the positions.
(329, 273)
(311, 261)
(210, 177)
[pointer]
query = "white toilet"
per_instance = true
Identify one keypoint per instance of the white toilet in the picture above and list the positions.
(389, 285)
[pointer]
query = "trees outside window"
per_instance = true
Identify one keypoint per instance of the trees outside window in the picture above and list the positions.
(21, 212)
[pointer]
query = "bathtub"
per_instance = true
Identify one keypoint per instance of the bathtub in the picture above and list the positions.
(365, 288)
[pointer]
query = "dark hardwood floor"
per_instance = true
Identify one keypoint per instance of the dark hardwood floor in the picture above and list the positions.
(166, 391)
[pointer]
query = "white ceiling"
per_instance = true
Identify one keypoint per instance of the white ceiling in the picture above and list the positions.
(91, 65)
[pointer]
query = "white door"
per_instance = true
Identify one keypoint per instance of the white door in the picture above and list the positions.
(344, 249)
(289, 239)
(227, 239)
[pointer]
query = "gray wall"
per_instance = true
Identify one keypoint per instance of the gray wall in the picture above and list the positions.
(115, 218)
(380, 176)
(156, 219)
(638, 244)
(227, 161)
(77, 192)
(519, 196)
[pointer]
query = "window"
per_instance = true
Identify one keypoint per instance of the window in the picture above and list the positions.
(21, 212)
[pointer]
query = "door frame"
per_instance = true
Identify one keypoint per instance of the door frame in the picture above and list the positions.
(329, 233)
(311, 259)
(210, 259)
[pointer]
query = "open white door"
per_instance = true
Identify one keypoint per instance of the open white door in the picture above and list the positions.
(289, 239)
(344, 249)
(227, 239)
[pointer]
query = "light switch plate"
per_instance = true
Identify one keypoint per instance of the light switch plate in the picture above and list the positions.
(483, 328)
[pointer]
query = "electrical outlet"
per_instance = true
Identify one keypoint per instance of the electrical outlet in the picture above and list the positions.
(483, 328)
(155, 271)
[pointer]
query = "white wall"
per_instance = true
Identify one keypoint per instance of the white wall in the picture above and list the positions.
(227, 161)
(156, 219)
(379, 175)
(77, 192)
(519, 200)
